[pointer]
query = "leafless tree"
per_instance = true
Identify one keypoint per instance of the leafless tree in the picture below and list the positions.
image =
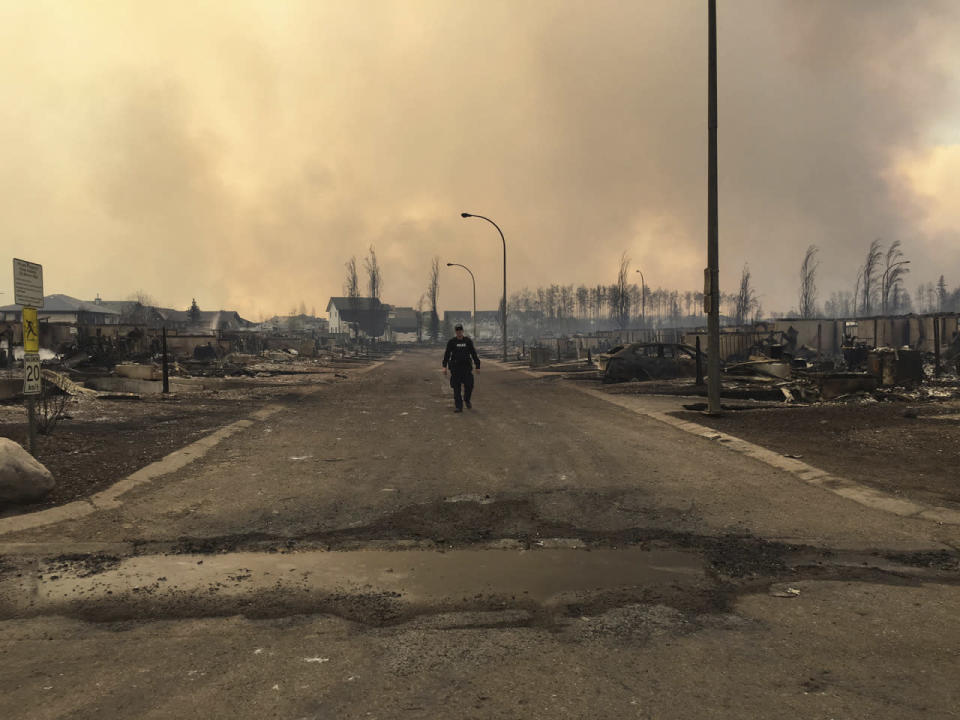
(420, 319)
(636, 300)
(599, 300)
(433, 294)
(374, 277)
(50, 409)
(583, 301)
(893, 272)
(746, 300)
(620, 294)
(808, 284)
(143, 298)
(550, 300)
(351, 288)
(868, 276)
(566, 300)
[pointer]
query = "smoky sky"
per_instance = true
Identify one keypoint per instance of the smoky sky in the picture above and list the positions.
(240, 153)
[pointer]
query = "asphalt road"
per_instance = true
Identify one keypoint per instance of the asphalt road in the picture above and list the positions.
(365, 552)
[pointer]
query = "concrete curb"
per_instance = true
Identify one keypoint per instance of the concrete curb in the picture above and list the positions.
(110, 497)
(844, 487)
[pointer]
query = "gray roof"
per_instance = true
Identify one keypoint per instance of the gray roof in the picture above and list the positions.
(65, 304)
(360, 303)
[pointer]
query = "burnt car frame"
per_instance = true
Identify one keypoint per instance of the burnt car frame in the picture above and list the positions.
(652, 361)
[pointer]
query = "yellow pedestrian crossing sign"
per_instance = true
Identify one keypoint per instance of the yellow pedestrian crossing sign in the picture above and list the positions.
(31, 330)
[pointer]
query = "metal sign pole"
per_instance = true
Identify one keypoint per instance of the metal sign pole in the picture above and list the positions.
(28, 293)
(32, 378)
(31, 425)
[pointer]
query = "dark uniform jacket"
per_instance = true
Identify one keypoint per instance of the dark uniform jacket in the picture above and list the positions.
(458, 355)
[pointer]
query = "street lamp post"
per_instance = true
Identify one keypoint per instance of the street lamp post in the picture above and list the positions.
(504, 317)
(474, 296)
(643, 298)
(883, 284)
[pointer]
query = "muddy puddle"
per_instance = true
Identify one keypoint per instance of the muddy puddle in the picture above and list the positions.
(422, 578)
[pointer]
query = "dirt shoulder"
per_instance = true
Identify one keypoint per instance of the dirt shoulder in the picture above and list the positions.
(906, 451)
(103, 439)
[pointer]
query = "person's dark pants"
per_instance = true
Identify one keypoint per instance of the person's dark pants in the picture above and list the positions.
(458, 378)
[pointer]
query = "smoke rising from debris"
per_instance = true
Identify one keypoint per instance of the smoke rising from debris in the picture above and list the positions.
(241, 152)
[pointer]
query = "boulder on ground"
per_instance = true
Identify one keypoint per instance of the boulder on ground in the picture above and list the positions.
(22, 478)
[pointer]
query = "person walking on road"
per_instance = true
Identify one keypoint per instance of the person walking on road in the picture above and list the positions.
(460, 357)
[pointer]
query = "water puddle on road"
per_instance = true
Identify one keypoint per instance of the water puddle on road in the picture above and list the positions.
(412, 576)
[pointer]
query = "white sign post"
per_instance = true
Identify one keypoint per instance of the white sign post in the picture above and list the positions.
(27, 283)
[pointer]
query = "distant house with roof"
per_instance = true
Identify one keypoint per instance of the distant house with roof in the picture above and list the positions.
(204, 320)
(133, 312)
(453, 317)
(67, 310)
(403, 324)
(363, 315)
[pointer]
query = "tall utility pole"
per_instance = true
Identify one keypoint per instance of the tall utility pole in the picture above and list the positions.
(713, 233)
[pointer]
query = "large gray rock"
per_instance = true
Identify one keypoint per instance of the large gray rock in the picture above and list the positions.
(22, 478)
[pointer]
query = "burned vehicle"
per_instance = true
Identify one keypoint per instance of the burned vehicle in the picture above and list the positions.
(652, 361)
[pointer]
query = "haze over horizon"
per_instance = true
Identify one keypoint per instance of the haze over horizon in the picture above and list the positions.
(241, 152)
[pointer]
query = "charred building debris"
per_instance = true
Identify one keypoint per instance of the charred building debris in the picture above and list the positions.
(909, 358)
(115, 348)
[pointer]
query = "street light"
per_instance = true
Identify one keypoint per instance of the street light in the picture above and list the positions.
(504, 318)
(643, 298)
(474, 296)
(883, 282)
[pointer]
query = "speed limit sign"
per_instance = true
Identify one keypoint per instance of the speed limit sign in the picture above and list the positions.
(31, 374)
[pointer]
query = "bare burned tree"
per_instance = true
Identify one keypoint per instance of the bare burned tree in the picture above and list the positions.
(433, 293)
(374, 278)
(351, 288)
(746, 300)
(893, 272)
(143, 298)
(620, 293)
(420, 319)
(868, 276)
(50, 408)
(808, 284)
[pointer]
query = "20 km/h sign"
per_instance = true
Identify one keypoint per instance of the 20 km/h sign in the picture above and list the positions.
(27, 283)
(32, 379)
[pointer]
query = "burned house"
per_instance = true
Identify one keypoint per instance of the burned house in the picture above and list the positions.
(359, 316)
(203, 321)
(67, 310)
(403, 324)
